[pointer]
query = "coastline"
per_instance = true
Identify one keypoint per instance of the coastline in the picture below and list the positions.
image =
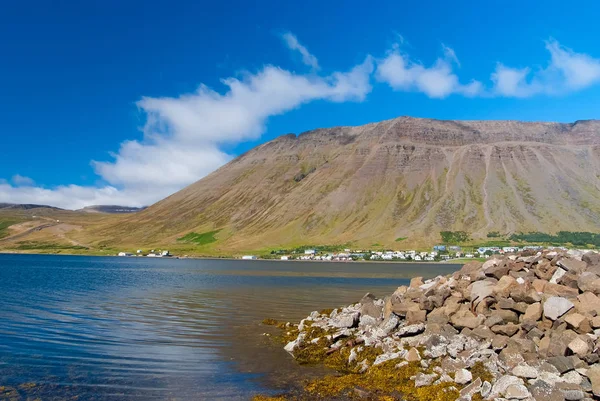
(522, 327)
(384, 262)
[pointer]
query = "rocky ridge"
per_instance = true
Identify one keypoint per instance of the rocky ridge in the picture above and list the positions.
(519, 327)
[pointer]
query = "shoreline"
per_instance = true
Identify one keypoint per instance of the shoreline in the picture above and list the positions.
(522, 327)
(385, 262)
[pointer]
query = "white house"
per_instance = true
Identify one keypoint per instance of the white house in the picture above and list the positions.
(249, 257)
(309, 251)
(285, 258)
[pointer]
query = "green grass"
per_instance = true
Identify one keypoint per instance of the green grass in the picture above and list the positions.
(466, 260)
(29, 245)
(400, 239)
(4, 227)
(200, 239)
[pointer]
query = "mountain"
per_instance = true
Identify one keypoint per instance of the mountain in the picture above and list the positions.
(111, 209)
(402, 178)
(25, 206)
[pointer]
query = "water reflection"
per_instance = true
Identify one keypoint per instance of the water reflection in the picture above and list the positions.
(117, 328)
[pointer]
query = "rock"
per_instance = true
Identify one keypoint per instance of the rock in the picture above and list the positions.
(506, 329)
(499, 342)
(387, 326)
(574, 320)
(504, 286)
(480, 290)
(416, 282)
(588, 304)
(415, 316)
(541, 390)
(508, 316)
(497, 271)
(462, 376)
(292, 345)
(511, 356)
(579, 347)
(591, 258)
(557, 275)
(555, 307)
(486, 388)
(369, 308)
(533, 312)
(572, 265)
(562, 363)
(503, 383)
(572, 394)
(465, 318)
(560, 291)
(411, 330)
(516, 392)
(468, 391)
(539, 285)
(346, 320)
(593, 374)
(401, 308)
(483, 333)
(388, 357)
(589, 282)
(493, 320)
(412, 355)
(525, 371)
(422, 379)
(572, 377)
(472, 269)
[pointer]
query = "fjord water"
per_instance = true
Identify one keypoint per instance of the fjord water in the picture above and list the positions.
(107, 328)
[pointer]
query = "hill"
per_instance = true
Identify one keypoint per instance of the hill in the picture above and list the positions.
(402, 178)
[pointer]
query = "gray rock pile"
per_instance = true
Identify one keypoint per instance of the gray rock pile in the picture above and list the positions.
(531, 321)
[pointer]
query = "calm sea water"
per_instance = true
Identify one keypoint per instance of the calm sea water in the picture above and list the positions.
(91, 328)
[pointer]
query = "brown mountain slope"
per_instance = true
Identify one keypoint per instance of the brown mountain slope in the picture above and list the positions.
(404, 177)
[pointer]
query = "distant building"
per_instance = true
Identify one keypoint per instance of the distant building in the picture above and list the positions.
(285, 258)
(309, 251)
(440, 248)
(124, 254)
(249, 257)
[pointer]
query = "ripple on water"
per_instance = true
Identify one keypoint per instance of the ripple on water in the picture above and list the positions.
(133, 328)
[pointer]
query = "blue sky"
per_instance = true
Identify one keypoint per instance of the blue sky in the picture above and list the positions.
(128, 101)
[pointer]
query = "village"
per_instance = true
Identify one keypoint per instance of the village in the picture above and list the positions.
(151, 254)
(438, 253)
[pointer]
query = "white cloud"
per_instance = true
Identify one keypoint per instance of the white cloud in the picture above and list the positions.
(402, 73)
(450, 54)
(567, 71)
(307, 58)
(72, 196)
(183, 136)
(20, 180)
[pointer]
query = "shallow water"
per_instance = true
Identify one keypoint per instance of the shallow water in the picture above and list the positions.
(98, 328)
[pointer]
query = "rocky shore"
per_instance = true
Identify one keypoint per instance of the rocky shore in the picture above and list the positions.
(518, 327)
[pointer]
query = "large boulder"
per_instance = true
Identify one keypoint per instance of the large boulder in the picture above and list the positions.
(555, 307)
(572, 265)
(466, 318)
(480, 290)
(589, 282)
